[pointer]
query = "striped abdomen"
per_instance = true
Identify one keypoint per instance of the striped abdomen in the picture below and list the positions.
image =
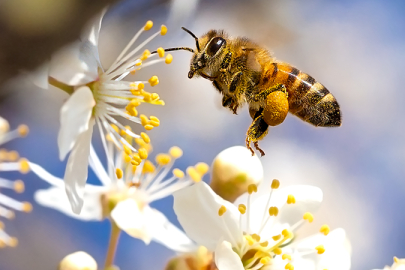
(307, 98)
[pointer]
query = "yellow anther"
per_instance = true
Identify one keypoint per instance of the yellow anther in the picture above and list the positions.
(309, 217)
(289, 266)
(145, 55)
(273, 211)
(23, 130)
(178, 173)
(135, 163)
(265, 260)
(148, 167)
(145, 137)
(276, 237)
(154, 123)
(221, 211)
(160, 102)
(264, 244)
(286, 257)
(154, 118)
(132, 111)
(13, 156)
(127, 158)
(119, 173)
(116, 129)
(287, 233)
(147, 97)
(26, 207)
(161, 52)
(132, 72)
(256, 237)
(169, 59)
(154, 96)
(19, 186)
(277, 251)
(143, 153)
(320, 249)
(290, 199)
(163, 30)
(127, 150)
(12, 242)
(139, 63)
(175, 152)
(249, 239)
(163, 159)
(148, 25)
(148, 127)
(202, 168)
(242, 208)
(24, 165)
(325, 229)
(140, 86)
(275, 184)
(135, 102)
(154, 80)
(144, 119)
(194, 175)
(252, 188)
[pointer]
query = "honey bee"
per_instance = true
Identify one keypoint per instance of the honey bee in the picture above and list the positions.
(243, 71)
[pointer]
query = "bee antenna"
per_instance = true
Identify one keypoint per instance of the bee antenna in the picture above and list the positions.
(196, 38)
(176, 49)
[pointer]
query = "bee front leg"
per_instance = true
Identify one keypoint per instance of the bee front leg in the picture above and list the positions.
(257, 130)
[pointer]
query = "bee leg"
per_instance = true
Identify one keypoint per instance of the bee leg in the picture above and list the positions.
(216, 85)
(225, 63)
(235, 81)
(263, 95)
(229, 102)
(257, 130)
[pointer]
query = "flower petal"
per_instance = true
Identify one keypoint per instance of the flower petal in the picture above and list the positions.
(75, 64)
(56, 198)
(197, 208)
(92, 29)
(337, 250)
(226, 258)
(77, 169)
(75, 116)
(130, 218)
(308, 199)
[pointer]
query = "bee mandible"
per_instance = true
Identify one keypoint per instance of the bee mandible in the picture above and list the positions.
(243, 71)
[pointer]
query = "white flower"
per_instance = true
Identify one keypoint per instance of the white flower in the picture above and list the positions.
(8, 163)
(97, 96)
(399, 264)
(126, 192)
(260, 234)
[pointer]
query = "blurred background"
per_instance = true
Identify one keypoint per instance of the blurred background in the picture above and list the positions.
(355, 48)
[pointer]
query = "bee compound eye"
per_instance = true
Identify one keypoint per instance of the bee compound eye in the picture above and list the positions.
(215, 44)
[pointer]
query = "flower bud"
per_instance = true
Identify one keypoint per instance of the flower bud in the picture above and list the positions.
(200, 259)
(79, 260)
(233, 170)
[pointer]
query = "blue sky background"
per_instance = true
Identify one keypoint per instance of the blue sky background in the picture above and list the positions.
(355, 48)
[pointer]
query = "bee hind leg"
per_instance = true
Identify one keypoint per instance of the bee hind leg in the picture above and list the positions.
(257, 131)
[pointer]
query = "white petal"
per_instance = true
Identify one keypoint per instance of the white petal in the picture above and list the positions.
(165, 233)
(77, 168)
(56, 198)
(75, 64)
(337, 250)
(197, 208)
(75, 116)
(226, 258)
(308, 199)
(130, 218)
(39, 76)
(92, 29)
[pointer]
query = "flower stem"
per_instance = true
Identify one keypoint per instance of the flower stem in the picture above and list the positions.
(112, 246)
(67, 88)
